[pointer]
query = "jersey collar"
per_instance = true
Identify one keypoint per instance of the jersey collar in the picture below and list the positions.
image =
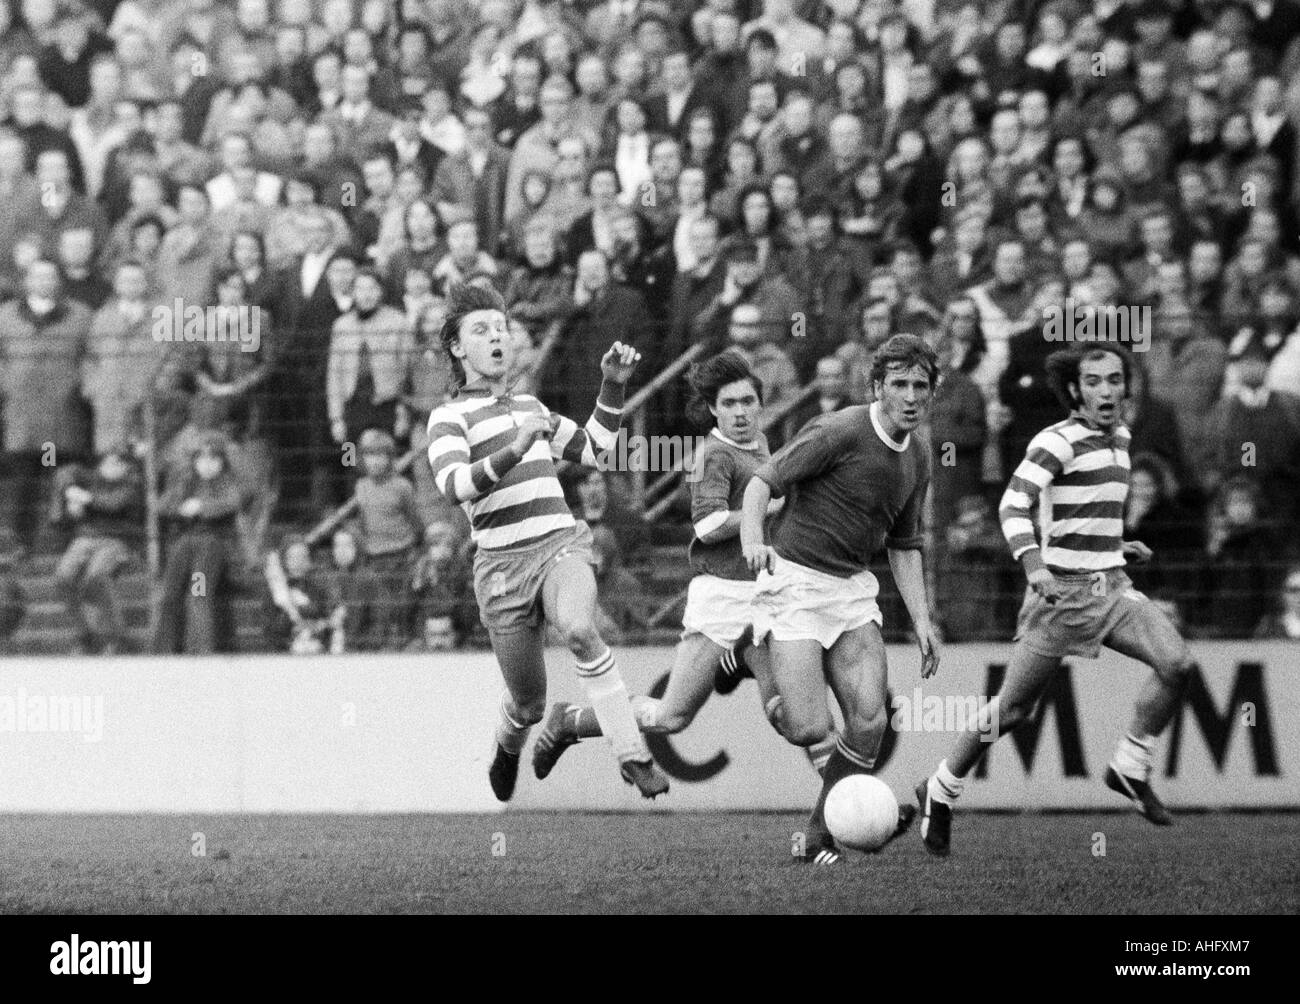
(732, 442)
(885, 437)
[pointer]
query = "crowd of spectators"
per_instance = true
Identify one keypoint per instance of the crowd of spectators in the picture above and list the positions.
(799, 179)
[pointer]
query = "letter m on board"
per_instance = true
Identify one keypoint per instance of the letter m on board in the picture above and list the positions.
(1248, 685)
(1058, 697)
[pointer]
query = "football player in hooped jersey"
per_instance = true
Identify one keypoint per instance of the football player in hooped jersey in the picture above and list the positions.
(854, 481)
(719, 602)
(494, 452)
(1078, 597)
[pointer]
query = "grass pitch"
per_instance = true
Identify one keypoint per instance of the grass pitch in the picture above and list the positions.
(651, 863)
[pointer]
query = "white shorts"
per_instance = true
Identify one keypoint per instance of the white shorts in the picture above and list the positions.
(797, 603)
(720, 609)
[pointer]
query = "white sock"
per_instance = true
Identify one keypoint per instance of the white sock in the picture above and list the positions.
(511, 734)
(608, 696)
(945, 786)
(1133, 756)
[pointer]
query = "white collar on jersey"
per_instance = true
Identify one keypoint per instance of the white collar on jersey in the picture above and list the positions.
(732, 442)
(885, 437)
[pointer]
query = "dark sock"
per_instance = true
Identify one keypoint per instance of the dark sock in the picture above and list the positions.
(838, 766)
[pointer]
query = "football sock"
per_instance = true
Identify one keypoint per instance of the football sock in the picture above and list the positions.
(843, 761)
(945, 786)
(511, 734)
(820, 753)
(1133, 756)
(603, 683)
(582, 720)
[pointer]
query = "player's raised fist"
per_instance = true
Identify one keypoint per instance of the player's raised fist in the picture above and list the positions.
(619, 362)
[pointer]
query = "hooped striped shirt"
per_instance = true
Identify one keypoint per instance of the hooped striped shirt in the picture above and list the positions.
(1078, 475)
(509, 501)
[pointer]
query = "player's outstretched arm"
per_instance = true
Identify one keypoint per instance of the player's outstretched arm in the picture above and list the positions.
(580, 445)
(909, 575)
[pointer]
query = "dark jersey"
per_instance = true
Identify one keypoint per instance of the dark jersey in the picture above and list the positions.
(850, 490)
(721, 471)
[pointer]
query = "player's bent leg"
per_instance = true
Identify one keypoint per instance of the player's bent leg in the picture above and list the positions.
(1027, 677)
(689, 686)
(523, 666)
(569, 600)
(1148, 635)
(856, 667)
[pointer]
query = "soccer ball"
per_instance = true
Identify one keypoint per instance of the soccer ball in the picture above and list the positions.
(861, 812)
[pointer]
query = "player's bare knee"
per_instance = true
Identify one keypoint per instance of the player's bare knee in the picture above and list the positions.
(528, 712)
(671, 722)
(582, 639)
(803, 733)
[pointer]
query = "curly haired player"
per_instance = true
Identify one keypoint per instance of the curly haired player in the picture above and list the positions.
(1078, 599)
(494, 452)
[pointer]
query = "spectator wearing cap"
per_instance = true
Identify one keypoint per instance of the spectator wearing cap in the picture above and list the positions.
(199, 505)
(369, 354)
(389, 528)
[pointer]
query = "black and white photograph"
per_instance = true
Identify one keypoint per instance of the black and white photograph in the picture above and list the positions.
(650, 457)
